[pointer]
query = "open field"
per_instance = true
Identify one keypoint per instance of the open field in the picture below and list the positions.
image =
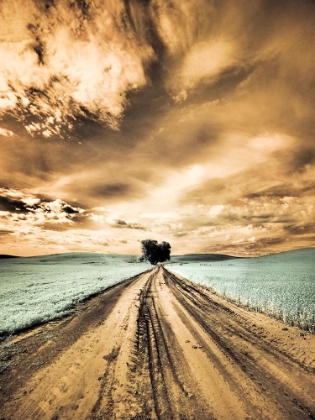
(35, 290)
(281, 285)
(159, 347)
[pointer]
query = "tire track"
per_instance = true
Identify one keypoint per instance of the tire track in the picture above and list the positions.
(269, 369)
(86, 380)
(165, 350)
(172, 388)
(201, 299)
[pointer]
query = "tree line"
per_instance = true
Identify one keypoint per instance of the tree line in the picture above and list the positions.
(154, 252)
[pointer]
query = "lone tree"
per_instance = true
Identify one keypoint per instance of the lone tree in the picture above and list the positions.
(154, 252)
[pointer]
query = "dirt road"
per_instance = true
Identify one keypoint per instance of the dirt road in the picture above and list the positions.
(159, 347)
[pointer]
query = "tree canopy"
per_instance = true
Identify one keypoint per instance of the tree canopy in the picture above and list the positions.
(154, 252)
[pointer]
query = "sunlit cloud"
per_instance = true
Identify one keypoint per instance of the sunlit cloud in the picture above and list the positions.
(68, 64)
(204, 62)
(18, 206)
(6, 133)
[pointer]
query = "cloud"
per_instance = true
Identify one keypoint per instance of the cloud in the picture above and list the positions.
(204, 62)
(68, 64)
(192, 119)
(5, 232)
(112, 190)
(82, 61)
(126, 225)
(18, 206)
(6, 133)
(303, 158)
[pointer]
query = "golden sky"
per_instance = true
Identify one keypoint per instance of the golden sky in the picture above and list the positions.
(189, 121)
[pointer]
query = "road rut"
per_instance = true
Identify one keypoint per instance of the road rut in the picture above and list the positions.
(159, 347)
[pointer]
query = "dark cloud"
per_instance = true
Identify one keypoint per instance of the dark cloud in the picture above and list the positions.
(277, 191)
(17, 207)
(12, 205)
(284, 190)
(67, 208)
(303, 158)
(45, 5)
(124, 225)
(112, 190)
(5, 232)
(300, 228)
(38, 45)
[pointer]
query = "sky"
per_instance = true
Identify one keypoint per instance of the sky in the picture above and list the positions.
(186, 121)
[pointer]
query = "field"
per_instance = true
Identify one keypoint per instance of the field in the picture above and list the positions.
(38, 289)
(281, 285)
(158, 347)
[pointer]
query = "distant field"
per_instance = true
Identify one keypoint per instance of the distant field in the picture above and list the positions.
(191, 258)
(37, 289)
(282, 285)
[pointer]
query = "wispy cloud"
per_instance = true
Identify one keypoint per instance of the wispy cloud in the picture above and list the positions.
(6, 133)
(72, 61)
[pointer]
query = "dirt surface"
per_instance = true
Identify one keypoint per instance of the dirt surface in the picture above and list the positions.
(159, 347)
